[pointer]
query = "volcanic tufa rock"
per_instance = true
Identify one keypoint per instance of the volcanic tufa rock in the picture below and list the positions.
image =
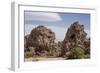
(75, 37)
(41, 37)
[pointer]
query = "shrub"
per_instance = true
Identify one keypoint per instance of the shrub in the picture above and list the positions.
(28, 54)
(76, 53)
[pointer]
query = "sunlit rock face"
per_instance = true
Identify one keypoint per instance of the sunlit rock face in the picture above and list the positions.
(75, 37)
(41, 37)
(43, 40)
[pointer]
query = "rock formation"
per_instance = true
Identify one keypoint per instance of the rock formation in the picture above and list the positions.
(41, 37)
(75, 37)
(41, 42)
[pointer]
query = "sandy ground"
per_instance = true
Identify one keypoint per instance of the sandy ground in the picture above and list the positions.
(42, 59)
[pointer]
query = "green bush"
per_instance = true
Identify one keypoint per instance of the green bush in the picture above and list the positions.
(76, 53)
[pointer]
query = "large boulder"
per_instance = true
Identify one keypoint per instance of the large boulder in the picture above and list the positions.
(41, 37)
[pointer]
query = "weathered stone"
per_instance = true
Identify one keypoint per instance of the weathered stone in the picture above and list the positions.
(41, 42)
(41, 37)
(75, 37)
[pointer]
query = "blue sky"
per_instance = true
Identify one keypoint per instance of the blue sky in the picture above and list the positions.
(69, 18)
(58, 22)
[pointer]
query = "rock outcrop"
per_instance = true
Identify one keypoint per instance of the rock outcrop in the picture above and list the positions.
(75, 37)
(43, 40)
(41, 37)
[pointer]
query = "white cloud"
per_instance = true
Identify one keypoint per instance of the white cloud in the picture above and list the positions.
(42, 16)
